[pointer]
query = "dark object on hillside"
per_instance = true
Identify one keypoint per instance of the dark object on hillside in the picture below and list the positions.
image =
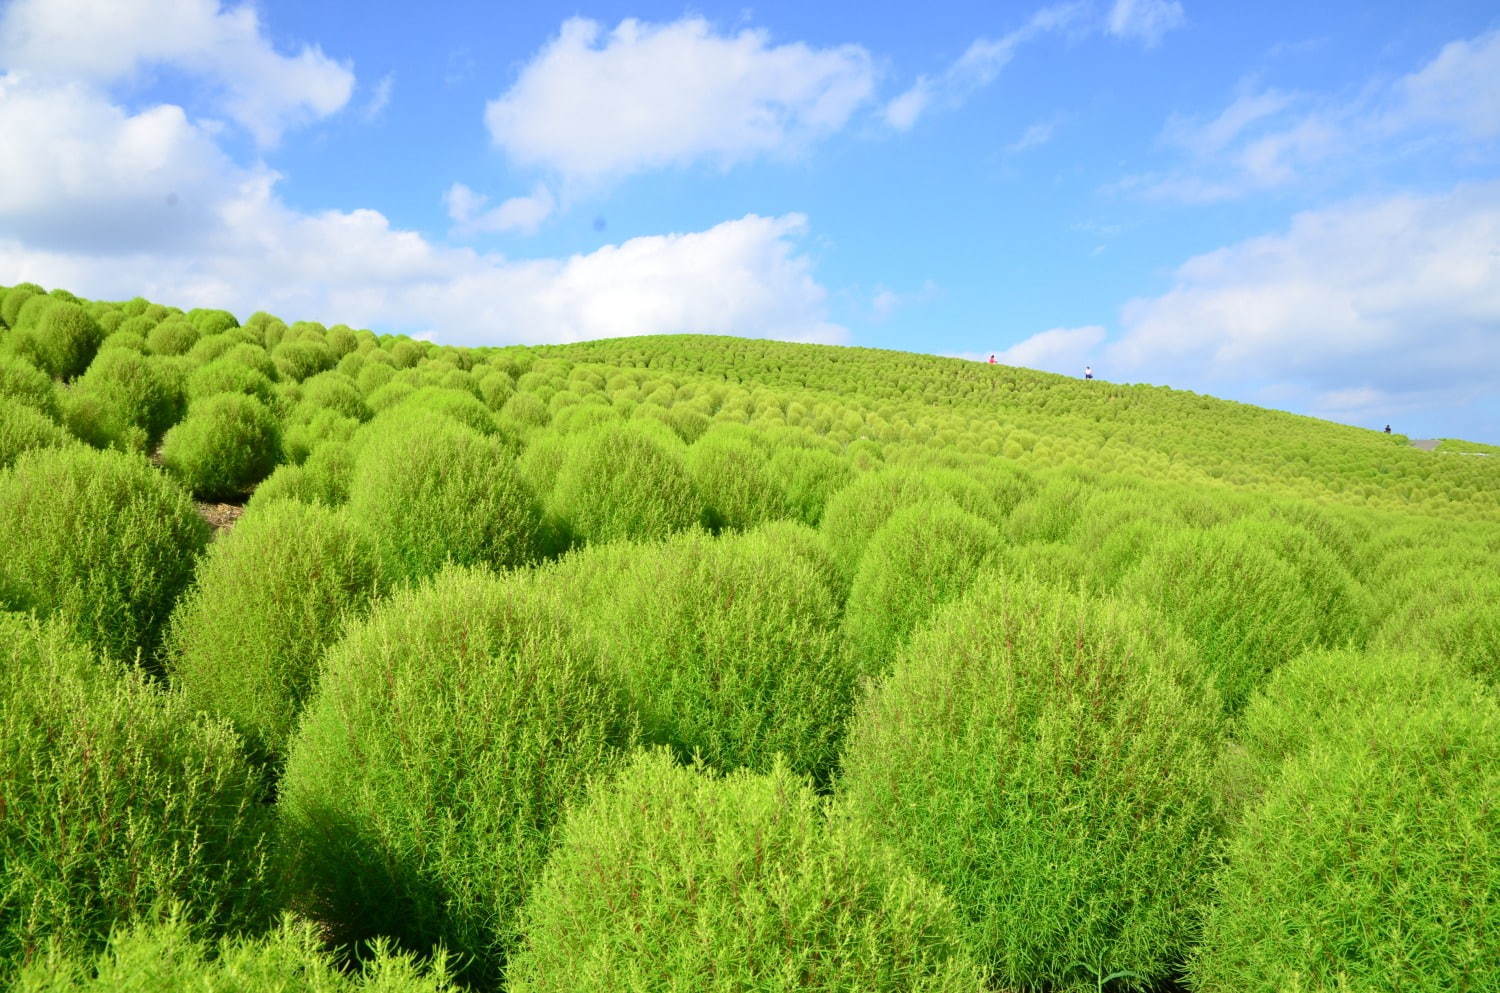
(1387, 429)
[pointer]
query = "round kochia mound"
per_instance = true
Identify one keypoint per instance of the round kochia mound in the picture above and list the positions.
(1243, 604)
(617, 482)
(269, 597)
(117, 796)
(668, 875)
(1371, 863)
(448, 732)
(728, 648)
(430, 490)
(166, 957)
(1048, 758)
(107, 550)
(225, 445)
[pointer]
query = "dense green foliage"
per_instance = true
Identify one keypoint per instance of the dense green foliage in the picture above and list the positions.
(269, 598)
(669, 875)
(1048, 758)
(167, 958)
(424, 787)
(1372, 862)
(430, 491)
(99, 539)
(116, 797)
(1100, 645)
(225, 445)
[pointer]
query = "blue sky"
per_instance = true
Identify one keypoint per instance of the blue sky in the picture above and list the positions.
(1296, 205)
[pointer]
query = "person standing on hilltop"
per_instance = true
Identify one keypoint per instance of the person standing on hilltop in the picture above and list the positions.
(1088, 372)
(992, 358)
(1387, 429)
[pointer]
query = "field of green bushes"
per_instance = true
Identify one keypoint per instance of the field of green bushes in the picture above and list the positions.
(704, 663)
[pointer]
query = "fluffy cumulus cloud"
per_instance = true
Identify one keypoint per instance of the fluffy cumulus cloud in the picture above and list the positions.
(522, 214)
(1144, 20)
(595, 105)
(747, 277)
(80, 172)
(1268, 138)
(1355, 310)
(264, 91)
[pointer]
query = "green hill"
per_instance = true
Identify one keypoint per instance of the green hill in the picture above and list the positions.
(867, 669)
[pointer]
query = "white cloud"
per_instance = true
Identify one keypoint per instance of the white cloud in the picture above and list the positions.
(523, 214)
(886, 301)
(1268, 139)
(79, 172)
(1459, 88)
(1389, 302)
(595, 105)
(380, 99)
(1033, 137)
(1061, 350)
(1145, 20)
(746, 277)
(979, 65)
(102, 43)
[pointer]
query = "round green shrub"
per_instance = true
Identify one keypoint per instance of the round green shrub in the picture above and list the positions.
(855, 513)
(495, 389)
(173, 336)
(429, 491)
(616, 483)
(109, 319)
(335, 392)
(808, 476)
(448, 733)
(225, 445)
(342, 340)
(14, 299)
(312, 428)
(211, 322)
(1315, 696)
(133, 391)
(124, 339)
(168, 957)
(1371, 862)
(738, 882)
(729, 649)
(924, 556)
(32, 309)
(63, 340)
(117, 797)
(1244, 606)
(298, 360)
(1048, 758)
(1452, 618)
(460, 406)
(25, 383)
(268, 599)
(1048, 514)
(254, 356)
(732, 477)
(524, 411)
(23, 428)
(228, 375)
(107, 549)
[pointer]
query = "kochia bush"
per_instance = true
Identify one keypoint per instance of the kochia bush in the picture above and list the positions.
(617, 482)
(225, 445)
(729, 650)
(924, 556)
(63, 340)
(1242, 604)
(732, 477)
(1372, 860)
(269, 598)
(117, 796)
(22, 428)
(1048, 758)
(467, 695)
(107, 550)
(25, 383)
(167, 957)
(669, 873)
